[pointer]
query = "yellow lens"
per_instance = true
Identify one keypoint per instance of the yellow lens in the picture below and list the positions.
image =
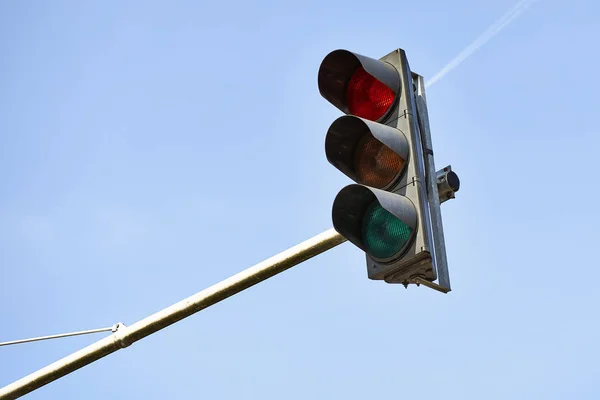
(375, 164)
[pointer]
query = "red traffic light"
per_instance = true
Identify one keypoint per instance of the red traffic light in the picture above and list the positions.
(359, 85)
(367, 97)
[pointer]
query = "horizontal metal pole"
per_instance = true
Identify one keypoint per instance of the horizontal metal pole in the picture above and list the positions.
(125, 336)
(60, 335)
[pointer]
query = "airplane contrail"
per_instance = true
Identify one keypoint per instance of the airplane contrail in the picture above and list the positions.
(512, 14)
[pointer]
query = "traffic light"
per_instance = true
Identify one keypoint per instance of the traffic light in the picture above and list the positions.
(379, 145)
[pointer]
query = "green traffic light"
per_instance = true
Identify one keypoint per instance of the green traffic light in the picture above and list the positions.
(384, 235)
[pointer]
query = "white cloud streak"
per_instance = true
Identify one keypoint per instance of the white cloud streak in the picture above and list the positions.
(515, 12)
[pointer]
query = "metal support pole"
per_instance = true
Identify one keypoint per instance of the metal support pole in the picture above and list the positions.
(125, 336)
(432, 193)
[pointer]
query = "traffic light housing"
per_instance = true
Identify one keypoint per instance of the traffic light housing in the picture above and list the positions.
(378, 145)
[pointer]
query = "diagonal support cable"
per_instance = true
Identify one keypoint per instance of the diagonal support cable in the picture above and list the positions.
(61, 335)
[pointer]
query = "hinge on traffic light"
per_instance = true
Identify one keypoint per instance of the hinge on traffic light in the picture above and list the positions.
(406, 114)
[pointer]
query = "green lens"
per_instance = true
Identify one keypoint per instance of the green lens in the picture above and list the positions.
(384, 235)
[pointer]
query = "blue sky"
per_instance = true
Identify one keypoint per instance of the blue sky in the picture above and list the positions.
(150, 150)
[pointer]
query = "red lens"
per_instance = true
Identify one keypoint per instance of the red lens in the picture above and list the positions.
(367, 97)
